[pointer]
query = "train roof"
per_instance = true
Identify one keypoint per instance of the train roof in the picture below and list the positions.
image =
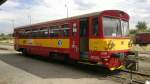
(69, 18)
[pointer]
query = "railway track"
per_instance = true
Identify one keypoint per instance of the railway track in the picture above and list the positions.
(127, 81)
(124, 72)
(137, 73)
(147, 53)
(134, 73)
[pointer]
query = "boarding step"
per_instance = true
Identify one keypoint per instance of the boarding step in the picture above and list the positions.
(84, 55)
(87, 63)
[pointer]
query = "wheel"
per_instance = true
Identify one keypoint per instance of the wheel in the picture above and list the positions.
(24, 52)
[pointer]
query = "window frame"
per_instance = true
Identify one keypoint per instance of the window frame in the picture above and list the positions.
(120, 25)
(123, 34)
(52, 29)
(37, 32)
(91, 26)
(62, 29)
(41, 32)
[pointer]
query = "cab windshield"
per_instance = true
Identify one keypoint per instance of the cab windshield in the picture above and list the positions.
(115, 27)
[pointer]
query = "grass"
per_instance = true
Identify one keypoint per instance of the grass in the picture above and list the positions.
(141, 48)
(9, 41)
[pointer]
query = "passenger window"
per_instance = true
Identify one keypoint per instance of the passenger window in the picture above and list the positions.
(95, 26)
(54, 31)
(64, 31)
(35, 33)
(21, 33)
(28, 33)
(43, 33)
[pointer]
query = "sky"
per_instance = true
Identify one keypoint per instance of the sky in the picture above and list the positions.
(15, 13)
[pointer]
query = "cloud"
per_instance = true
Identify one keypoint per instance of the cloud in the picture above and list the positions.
(84, 4)
(10, 4)
(45, 10)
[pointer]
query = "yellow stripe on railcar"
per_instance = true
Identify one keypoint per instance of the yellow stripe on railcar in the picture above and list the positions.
(102, 44)
(53, 43)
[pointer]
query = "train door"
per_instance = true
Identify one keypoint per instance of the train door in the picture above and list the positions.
(75, 52)
(84, 38)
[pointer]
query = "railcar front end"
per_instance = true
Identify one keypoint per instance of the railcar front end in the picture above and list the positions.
(113, 47)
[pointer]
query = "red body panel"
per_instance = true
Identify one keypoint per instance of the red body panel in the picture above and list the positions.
(44, 51)
(74, 50)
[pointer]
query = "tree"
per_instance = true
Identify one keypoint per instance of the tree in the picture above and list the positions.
(141, 26)
(133, 31)
(2, 34)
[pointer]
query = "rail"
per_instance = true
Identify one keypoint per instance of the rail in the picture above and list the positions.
(133, 80)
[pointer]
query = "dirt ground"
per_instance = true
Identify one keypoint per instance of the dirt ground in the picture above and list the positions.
(18, 69)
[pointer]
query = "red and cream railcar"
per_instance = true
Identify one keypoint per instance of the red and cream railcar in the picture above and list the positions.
(100, 38)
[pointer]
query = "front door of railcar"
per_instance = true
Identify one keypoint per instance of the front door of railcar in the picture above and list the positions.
(84, 38)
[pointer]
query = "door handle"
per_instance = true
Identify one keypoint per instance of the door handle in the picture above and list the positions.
(76, 48)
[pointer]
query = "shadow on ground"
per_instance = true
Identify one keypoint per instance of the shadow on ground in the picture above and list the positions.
(44, 68)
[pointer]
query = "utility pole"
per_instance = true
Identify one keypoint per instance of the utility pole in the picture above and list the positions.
(66, 5)
(29, 17)
(13, 23)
